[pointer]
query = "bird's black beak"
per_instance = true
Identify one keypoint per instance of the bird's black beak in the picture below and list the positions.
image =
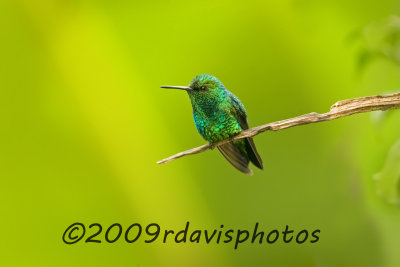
(187, 88)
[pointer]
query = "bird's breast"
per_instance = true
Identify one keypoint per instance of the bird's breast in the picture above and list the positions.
(215, 125)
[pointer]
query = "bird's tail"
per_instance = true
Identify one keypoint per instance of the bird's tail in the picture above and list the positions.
(240, 153)
(253, 154)
(236, 157)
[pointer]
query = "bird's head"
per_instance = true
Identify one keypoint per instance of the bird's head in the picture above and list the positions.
(205, 83)
(203, 87)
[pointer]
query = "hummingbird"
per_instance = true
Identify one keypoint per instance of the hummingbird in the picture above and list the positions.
(218, 114)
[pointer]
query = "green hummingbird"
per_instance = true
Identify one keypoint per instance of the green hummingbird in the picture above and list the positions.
(218, 115)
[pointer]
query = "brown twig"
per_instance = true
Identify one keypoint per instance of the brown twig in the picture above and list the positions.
(340, 109)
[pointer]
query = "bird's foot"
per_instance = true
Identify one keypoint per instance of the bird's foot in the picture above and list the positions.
(212, 145)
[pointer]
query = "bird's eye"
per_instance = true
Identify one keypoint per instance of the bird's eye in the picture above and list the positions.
(203, 88)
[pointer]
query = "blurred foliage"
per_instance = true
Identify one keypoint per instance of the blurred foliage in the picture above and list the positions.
(388, 179)
(380, 39)
(83, 122)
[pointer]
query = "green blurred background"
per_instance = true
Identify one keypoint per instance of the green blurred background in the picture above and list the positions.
(83, 122)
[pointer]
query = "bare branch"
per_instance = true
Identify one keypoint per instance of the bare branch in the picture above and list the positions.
(340, 109)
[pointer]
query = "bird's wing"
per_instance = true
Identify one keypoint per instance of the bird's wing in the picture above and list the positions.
(240, 113)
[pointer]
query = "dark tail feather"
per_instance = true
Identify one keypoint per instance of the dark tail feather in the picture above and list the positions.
(235, 157)
(253, 154)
